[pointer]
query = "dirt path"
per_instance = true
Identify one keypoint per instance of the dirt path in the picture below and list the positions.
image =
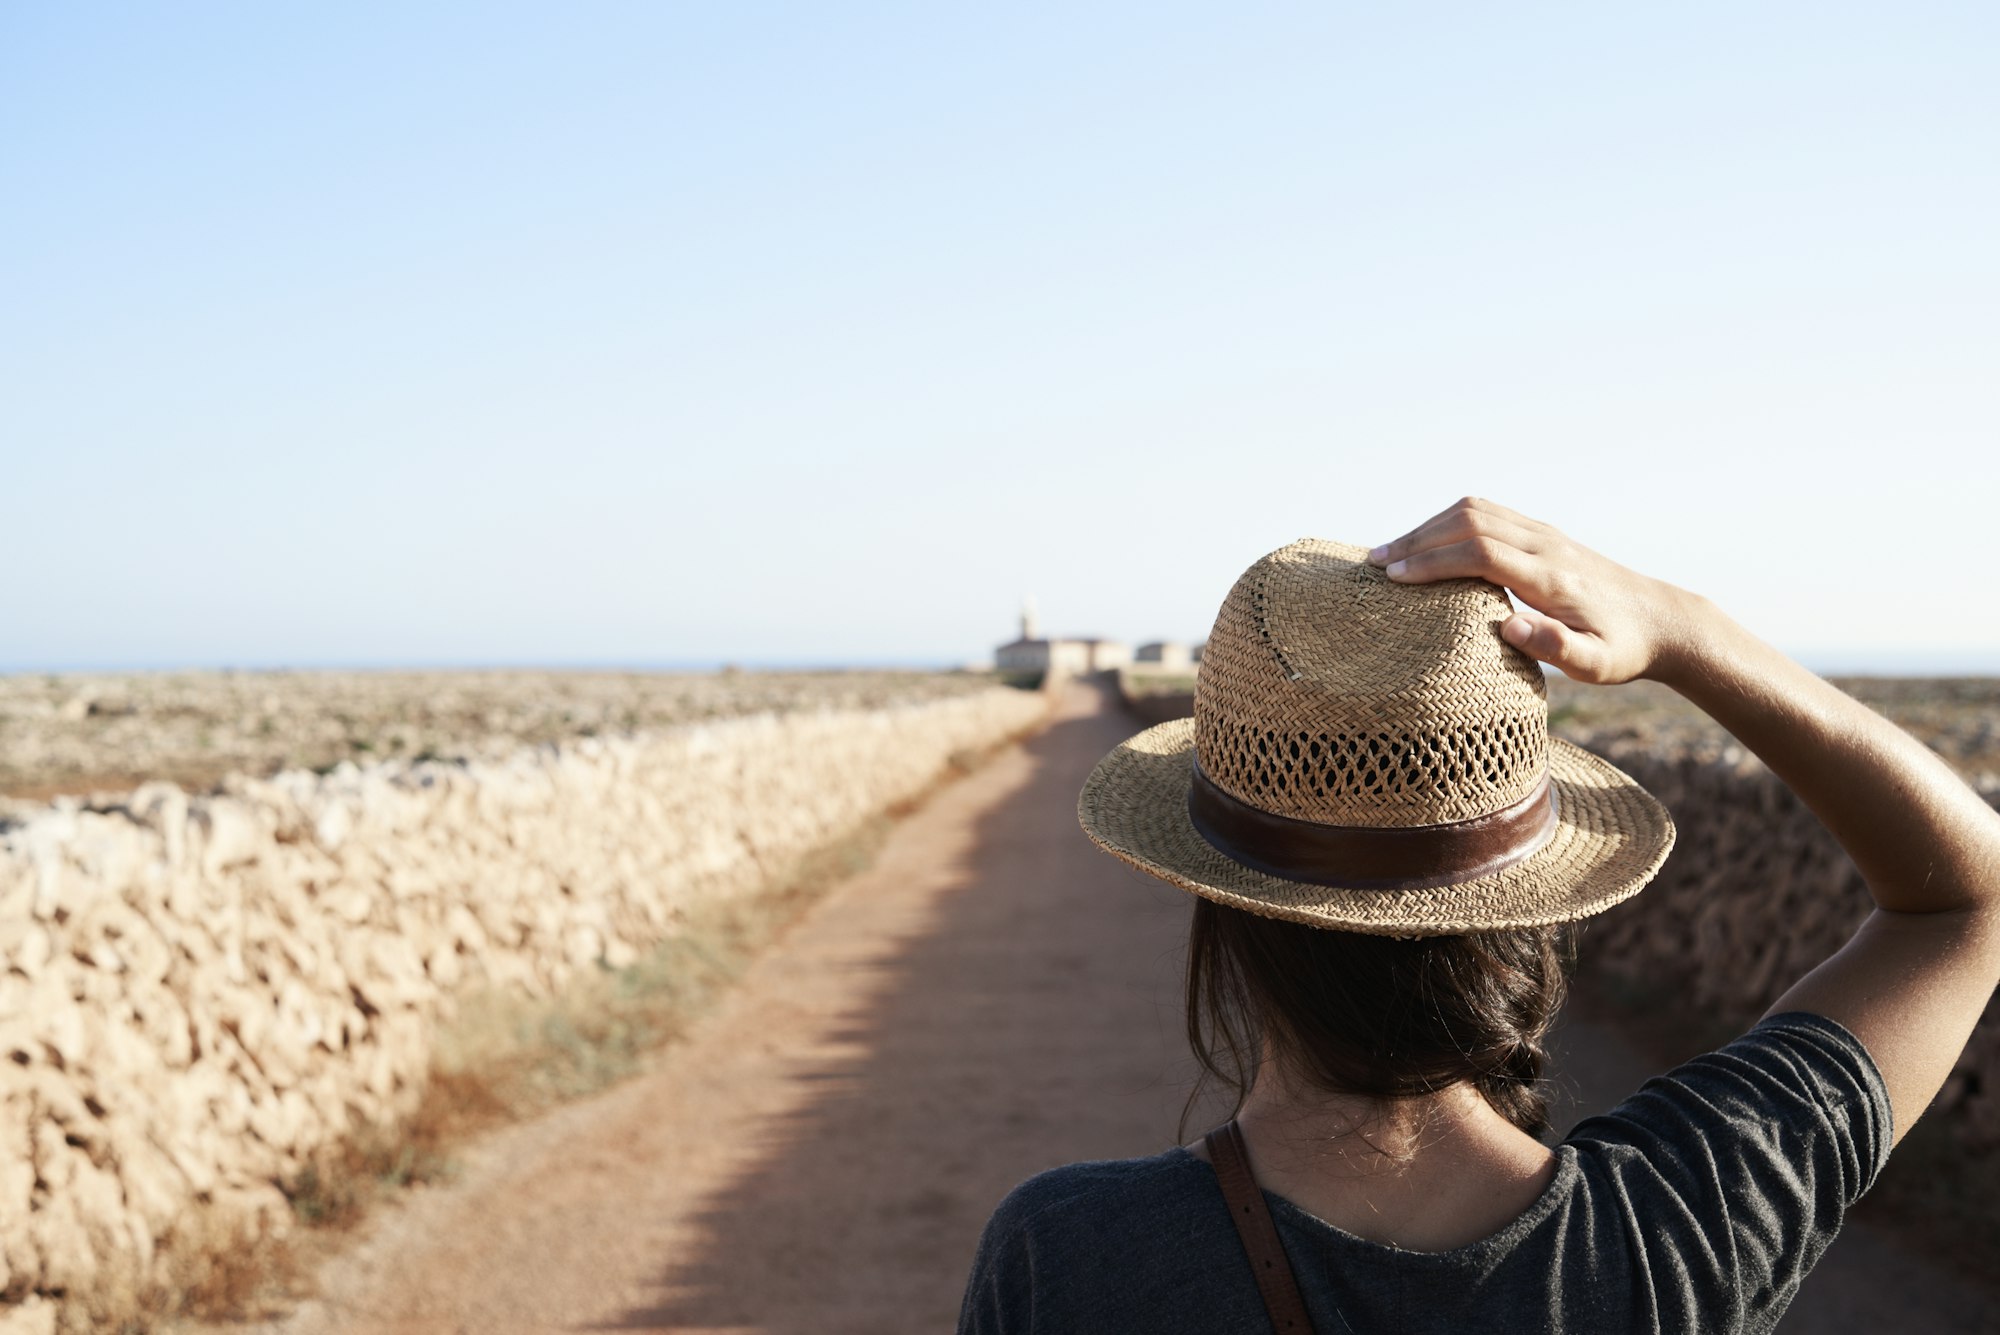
(991, 998)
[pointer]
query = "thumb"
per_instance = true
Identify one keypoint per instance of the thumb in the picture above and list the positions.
(1552, 642)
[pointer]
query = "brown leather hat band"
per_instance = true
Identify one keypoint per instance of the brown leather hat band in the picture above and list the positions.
(1367, 857)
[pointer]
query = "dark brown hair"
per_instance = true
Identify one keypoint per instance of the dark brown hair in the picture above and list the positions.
(1373, 1015)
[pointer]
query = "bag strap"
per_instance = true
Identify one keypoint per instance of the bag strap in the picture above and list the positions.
(1275, 1280)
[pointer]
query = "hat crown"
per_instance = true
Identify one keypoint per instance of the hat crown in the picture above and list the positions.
(1330, 694)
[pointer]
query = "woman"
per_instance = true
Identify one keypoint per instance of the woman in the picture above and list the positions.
(1388, 855)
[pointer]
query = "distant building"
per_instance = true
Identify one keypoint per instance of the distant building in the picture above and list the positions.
(1063, 657)
(1164, 654)
(1107, 654)
(1032, 652)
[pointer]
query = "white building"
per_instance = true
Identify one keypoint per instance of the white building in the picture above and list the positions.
(1164, 654)
(1062, 657)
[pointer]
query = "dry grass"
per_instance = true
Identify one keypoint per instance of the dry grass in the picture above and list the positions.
(211, 1268)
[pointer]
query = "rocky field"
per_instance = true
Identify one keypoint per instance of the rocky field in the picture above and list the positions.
(1958, 717)
(82, 734)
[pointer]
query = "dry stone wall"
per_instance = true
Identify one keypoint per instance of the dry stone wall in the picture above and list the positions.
(198, 993)
(1150, 701)
(1754, 895)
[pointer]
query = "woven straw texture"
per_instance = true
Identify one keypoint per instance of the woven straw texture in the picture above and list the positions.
(1329, 694)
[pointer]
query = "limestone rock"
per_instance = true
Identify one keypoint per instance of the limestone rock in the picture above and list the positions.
(30, 1316)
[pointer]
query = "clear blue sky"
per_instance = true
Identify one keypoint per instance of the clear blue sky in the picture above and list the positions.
(497, 333)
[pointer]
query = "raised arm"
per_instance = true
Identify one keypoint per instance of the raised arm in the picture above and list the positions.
(1914, 979)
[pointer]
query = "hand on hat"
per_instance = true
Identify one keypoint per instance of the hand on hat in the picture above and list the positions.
(1589, 616)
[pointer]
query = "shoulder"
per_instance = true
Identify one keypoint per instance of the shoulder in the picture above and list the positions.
(1109, 1245)
(1794, 1078)
(1093, 1192)
(1734, 1170)
(1103, 1245)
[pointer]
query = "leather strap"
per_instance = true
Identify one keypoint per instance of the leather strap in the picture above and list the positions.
(1371, 857)
(1259, 1232)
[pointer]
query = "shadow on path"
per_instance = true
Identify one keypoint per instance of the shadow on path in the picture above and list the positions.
(1034, 1021)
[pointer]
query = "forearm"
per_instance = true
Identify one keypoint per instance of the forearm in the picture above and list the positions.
(1925, 842)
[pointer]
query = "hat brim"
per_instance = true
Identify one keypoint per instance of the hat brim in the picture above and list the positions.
(1611, 838)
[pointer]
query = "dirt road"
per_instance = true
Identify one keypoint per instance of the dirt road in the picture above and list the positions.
(992, 997)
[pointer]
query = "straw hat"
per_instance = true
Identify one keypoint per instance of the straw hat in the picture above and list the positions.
(1373, 757)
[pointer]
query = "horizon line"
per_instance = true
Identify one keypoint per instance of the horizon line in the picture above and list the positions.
(1826, 662)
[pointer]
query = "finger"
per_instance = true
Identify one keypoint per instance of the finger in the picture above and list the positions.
(1499, 511)
(1382, 555)
(1482, 557)
(1578, 655)
(1463, 520)
(1459, 527)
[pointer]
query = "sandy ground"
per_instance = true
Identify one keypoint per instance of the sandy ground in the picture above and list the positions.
(992, 997)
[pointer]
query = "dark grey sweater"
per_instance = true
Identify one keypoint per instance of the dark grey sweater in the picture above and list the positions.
(1697, 1205)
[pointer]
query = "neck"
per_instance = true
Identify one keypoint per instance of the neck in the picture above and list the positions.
(1359, 1136)
(1428, 1174)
